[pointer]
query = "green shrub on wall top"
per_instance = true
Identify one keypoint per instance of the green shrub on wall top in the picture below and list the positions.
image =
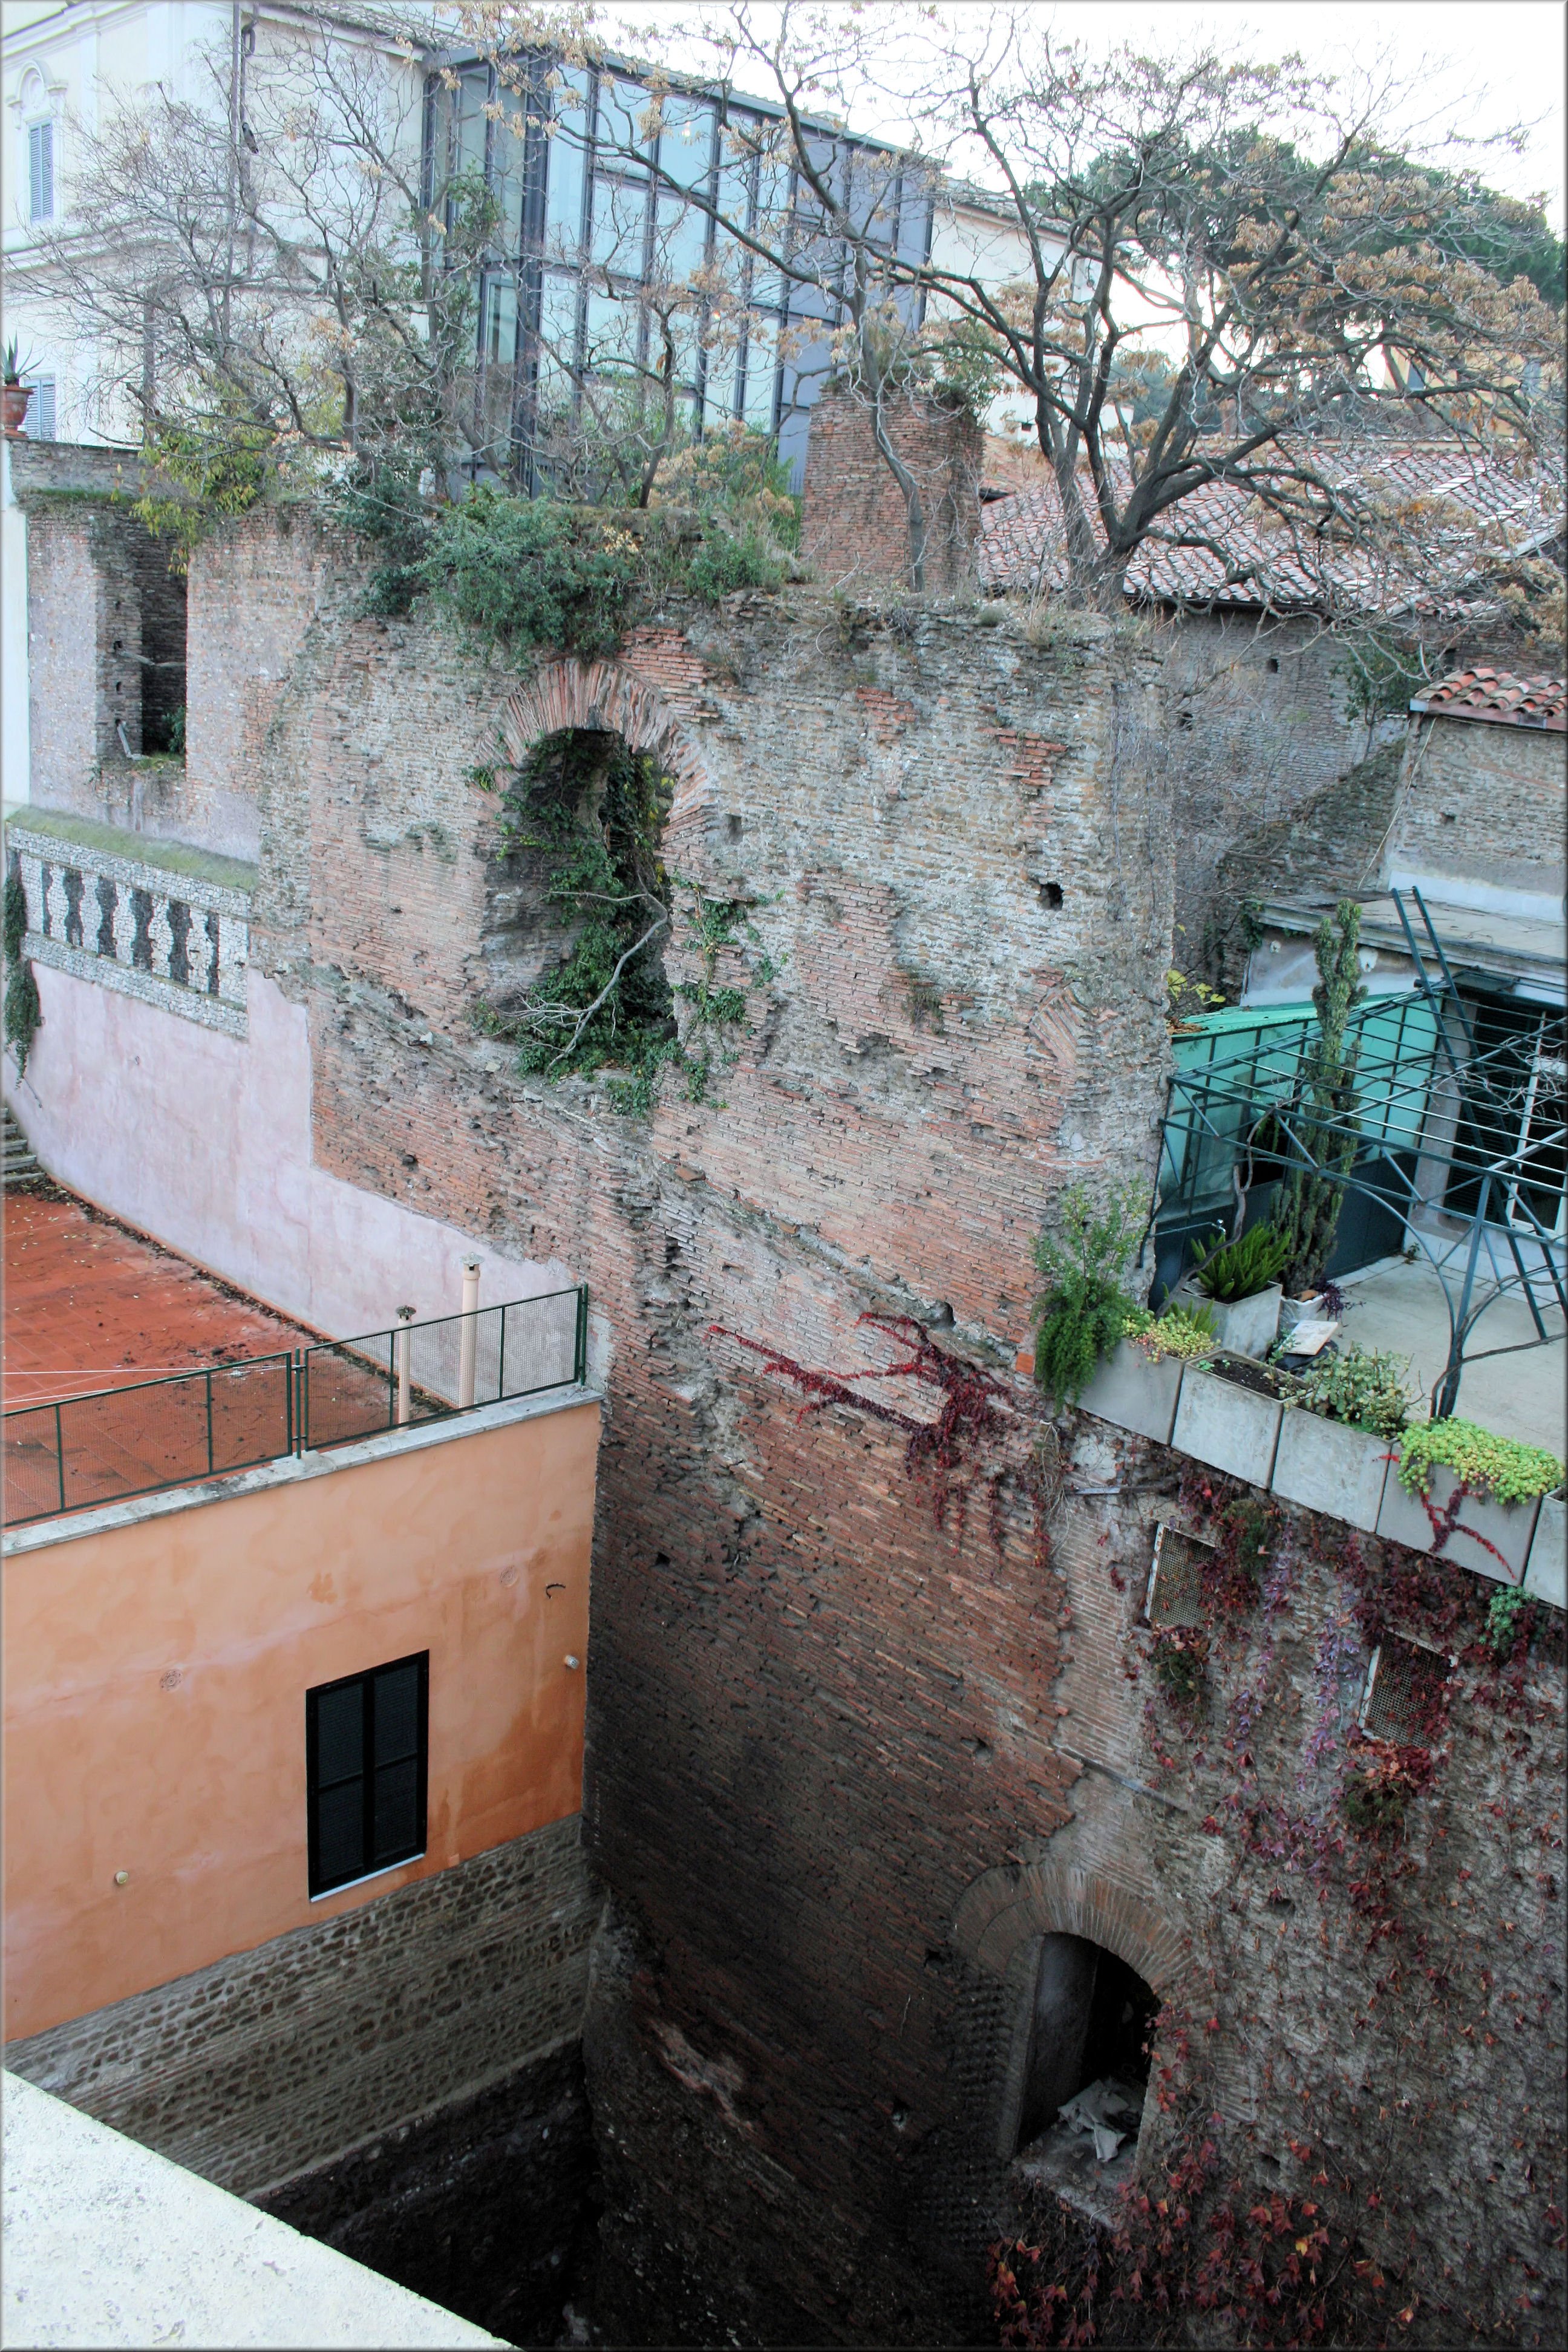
(1496, 1469)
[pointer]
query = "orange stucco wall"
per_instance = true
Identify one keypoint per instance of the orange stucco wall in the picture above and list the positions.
(155, 1679)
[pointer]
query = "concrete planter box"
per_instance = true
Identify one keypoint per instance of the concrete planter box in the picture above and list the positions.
(1545, 1577)
(1331, 1467)
(1247, 1327)
(1509, 1527)
(1132, 1390)
(1230, 1428)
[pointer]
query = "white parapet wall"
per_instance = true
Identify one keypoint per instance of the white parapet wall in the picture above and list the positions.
(107, 2245)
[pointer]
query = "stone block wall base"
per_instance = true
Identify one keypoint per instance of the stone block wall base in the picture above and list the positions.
(485, 2207)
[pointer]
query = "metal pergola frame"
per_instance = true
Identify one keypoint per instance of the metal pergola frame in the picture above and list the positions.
(1447, 1080)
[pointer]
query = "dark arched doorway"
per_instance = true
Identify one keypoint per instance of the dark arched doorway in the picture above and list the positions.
(1091, 2028)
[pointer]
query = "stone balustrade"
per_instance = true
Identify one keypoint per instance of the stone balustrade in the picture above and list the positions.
(173, 939)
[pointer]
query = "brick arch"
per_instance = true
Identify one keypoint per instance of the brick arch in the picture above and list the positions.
(605, 697)
(1013, 1906)
(998, 1927)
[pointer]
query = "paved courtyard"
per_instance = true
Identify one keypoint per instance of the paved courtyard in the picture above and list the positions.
(1521, 1393)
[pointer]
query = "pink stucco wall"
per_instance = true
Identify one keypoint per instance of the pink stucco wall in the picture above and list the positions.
(204, 1141)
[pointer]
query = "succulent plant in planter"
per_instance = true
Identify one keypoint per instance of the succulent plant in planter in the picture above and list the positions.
(1231, 1270)
(1360, 1387)
(1497, 1469)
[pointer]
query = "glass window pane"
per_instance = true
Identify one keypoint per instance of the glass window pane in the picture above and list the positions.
(507, 176)
(620, 214)
(686, 142)
(557, 330)
(339, 1834)
(564, 167)
(681, 241)
(397, 1824)
(339, 1733)
(498, 338)
(722, 390)
(397, 1713)
(761, 374)
(618, 127)
(473, 95)
(612, 332)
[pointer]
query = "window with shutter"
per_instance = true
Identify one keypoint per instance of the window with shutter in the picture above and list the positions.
(41, 416)
(366, 1764)
(41, 171)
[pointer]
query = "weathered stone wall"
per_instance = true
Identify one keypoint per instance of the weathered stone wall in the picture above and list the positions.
(84, 641)
(1256, 726)
(855, 525)
(1482, 803)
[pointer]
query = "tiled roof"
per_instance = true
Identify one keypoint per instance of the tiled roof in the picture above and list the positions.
(1449, 509)
(1498, 696)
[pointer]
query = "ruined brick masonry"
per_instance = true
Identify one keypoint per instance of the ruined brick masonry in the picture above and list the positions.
(846, 1765)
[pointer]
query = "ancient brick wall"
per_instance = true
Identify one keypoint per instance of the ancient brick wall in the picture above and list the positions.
(84, 638)
(253, 591)
(1484, 804)
(856, 527)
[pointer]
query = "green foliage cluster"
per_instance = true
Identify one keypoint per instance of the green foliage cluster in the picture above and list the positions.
(1359, 1386)
(1082, 1313)
(200, 473)
(1308, 1203)
(1180, 1660)
(1228, 1271)
(1184, 1332)
(591, 813)
(1496, 1469)
(556, 571)
(24, 1014)
(1503, 1614)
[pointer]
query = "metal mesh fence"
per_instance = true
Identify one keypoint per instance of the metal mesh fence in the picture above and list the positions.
(135, 1440)
(354, 1388)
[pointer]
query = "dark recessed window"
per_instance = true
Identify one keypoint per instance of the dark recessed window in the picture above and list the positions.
(365, 1762)
(1051, 895)
(1274, 664)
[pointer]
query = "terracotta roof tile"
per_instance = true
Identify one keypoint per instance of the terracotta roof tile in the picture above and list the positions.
(1500, 697)
(1221, 545)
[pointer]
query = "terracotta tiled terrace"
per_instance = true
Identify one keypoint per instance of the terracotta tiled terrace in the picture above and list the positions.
(91, 1305)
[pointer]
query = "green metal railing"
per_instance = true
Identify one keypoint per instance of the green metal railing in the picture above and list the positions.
(115, 1444)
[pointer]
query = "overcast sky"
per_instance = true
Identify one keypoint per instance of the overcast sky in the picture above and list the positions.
(1491, 63)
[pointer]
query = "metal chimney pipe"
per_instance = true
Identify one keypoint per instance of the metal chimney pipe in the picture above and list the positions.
(405, 1349)
(469, 1356)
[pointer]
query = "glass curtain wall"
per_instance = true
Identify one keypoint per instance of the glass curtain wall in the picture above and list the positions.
(607, 287)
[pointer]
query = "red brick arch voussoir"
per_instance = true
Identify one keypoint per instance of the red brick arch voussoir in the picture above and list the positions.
(606, 698)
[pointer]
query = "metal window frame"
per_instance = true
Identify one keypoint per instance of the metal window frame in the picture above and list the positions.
(1369, 1691)
(366, 1680)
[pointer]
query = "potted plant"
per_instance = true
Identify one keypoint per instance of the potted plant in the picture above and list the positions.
(1083, 1318)
(1308, 1203)
(1470, 1495)
(1229, 1417)
(1336, 1445)
(15, 394)
(1240, 1280)
(1138, 1384)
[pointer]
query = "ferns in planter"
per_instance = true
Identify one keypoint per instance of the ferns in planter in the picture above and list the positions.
(1082, 1313)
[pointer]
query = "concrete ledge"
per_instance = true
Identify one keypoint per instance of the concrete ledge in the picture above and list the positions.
(293, 1467)
(188, 1003)
(107, 2245)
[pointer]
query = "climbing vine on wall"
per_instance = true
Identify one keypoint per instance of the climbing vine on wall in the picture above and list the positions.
(978, 1436)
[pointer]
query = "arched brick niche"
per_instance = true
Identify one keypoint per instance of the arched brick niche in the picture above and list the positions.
(998, 1928)
(605, 698)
